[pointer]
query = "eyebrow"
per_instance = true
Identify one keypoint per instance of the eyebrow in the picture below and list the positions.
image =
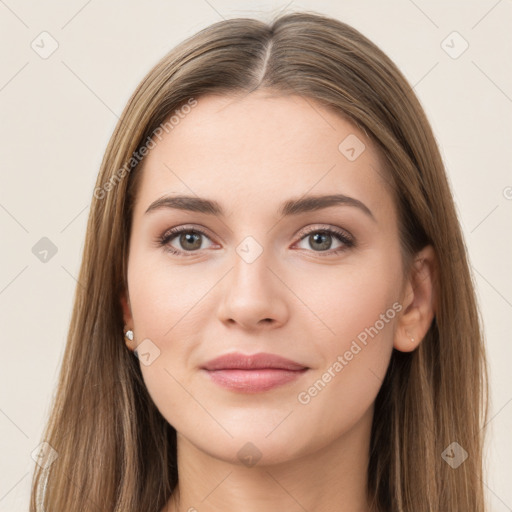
(291, 207)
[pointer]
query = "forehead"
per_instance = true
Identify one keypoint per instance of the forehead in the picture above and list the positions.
(255, 149)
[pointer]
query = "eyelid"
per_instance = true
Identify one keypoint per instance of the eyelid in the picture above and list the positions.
(314, 228)
(186, 227)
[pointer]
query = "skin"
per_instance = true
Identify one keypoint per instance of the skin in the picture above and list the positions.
(251, 153)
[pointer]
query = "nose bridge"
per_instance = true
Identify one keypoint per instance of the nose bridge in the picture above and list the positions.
(252, 292)
(251, 274)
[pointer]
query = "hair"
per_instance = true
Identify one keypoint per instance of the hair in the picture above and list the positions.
(115, 450)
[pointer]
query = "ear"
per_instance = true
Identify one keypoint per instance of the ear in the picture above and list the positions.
(128, 319)
(418, 301)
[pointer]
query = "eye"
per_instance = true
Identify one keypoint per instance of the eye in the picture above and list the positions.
(320, 240)
(188, 239)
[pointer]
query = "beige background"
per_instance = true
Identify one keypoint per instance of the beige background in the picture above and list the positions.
(59, 112)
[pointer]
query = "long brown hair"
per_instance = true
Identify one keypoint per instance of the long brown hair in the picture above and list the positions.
(114, 450)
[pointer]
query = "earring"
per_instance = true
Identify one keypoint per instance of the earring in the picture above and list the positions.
(129, 334)
(410, 337)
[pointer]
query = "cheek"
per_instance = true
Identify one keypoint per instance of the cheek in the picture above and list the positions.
(362, 310)
(167, 312)
(354, 312)
(345, 301)
(163, 296)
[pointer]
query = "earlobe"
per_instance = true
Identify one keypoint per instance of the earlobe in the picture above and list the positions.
(418, 302)
(128, 323)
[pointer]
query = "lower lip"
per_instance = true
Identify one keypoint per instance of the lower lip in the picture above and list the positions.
(253, 381)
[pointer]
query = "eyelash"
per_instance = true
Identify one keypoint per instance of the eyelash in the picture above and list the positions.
(342, 236)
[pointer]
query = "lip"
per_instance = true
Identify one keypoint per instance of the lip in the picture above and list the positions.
(252, 373)
(260, 361)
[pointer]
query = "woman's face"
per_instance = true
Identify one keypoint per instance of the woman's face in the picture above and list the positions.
(265, 273)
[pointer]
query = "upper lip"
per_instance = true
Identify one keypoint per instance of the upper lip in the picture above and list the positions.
(262, 360)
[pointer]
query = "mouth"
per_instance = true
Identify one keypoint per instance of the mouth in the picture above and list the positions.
(252, 373)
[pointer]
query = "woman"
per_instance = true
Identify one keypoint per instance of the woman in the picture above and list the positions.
(273, 234)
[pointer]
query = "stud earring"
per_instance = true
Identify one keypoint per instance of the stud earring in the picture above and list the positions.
(129, 335)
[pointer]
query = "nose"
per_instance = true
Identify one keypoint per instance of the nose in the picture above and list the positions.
(253, 295)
